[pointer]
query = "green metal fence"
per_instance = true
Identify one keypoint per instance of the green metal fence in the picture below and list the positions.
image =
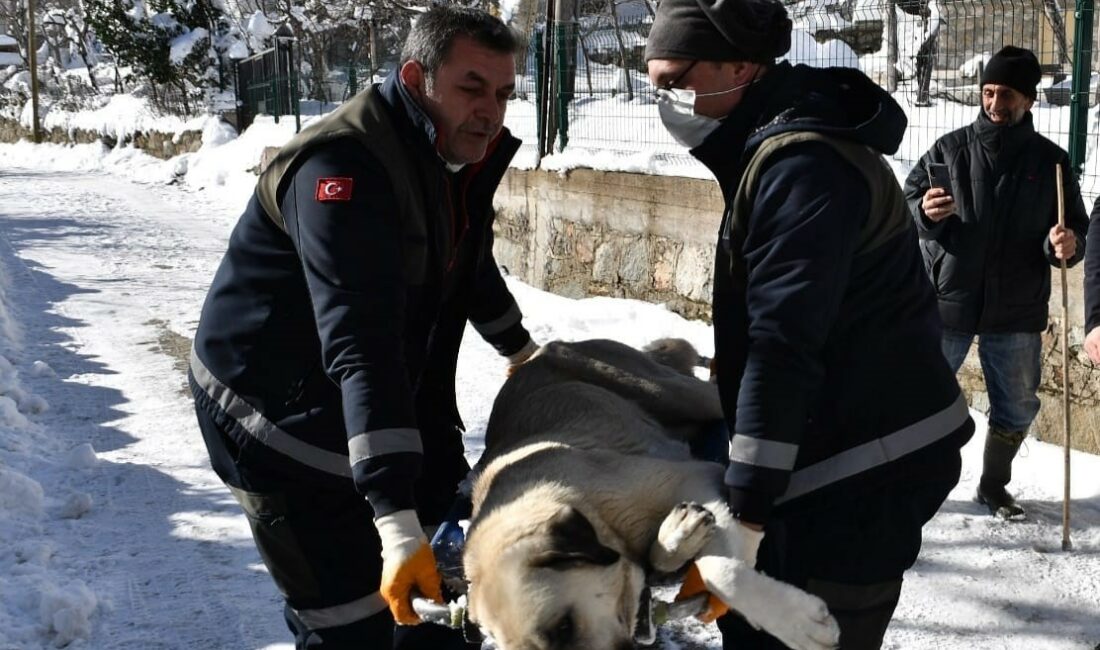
(267, 84)
(582, 91)
(927, 53)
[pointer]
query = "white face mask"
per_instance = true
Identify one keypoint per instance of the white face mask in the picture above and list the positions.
(677, 109)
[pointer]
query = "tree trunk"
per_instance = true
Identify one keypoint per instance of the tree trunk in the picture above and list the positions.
(891, 29)
(622, 51)
(1058, 27)
(587, 63)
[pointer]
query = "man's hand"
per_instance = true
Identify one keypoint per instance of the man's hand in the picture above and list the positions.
(748, 543)
(726, 569)
(408, 565)
(1064, 242)
(938, 204)
(1092, 345)
(517, 359)
(693, 584)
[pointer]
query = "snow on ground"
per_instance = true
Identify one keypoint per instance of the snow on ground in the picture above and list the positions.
(114, 533)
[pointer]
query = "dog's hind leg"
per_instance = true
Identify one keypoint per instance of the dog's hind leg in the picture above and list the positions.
(681, 537)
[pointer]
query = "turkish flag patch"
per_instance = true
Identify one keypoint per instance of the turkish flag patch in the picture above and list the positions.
(334, 189)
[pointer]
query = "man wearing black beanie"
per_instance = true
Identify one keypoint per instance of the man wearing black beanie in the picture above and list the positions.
(990, 237)
(846, 420)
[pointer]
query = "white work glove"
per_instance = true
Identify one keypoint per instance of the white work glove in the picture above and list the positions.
(408, 565)
(745, 544)
(517, 359)
(798, 619)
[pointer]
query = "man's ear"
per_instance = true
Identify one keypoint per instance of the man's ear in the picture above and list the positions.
(743, 71)
(412, 75)
(571, 541)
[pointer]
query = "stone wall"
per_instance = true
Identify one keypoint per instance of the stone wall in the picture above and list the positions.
(610, 234)
(652, 238)
(159, 145)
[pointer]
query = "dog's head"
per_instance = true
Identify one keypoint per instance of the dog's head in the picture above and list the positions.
(556, 588)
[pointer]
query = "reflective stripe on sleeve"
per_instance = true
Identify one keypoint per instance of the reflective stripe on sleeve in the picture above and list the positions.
(383, 441)
(498, 325)
(763, 453)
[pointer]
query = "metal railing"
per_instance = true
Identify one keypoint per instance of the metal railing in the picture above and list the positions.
(267, 84)
(582, 90)
(928, 53)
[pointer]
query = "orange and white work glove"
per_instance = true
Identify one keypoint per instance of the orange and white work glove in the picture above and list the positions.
(693, 585)
(517, 359)
(745, 547)
(408, 565)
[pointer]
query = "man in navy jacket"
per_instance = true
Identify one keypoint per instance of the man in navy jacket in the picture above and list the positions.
(324, 363)
(845, 420)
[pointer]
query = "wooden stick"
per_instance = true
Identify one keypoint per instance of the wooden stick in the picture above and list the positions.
(1066, 544)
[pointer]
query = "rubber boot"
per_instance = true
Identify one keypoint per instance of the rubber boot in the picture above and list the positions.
(1000, 448)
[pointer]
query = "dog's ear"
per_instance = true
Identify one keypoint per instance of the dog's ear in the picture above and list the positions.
(571, 541)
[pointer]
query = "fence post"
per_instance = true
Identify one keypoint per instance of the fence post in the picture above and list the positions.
(1082, 85)
(295, 87)
(562, 86)
(890, 26)
(275, 83)
(32, 63)
(540, 76)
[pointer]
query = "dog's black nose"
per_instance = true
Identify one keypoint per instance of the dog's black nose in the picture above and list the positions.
(625, 645)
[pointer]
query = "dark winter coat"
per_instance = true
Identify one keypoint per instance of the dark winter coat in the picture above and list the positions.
(991, 261)
(826, 332)
(335, 325)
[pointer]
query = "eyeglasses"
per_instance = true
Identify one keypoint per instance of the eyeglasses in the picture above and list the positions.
(670, 84)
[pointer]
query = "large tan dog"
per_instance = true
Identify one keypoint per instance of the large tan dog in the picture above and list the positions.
(586, 484)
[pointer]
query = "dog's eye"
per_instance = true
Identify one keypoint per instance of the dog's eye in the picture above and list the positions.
(561, 633)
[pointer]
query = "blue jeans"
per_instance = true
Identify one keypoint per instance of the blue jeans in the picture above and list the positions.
(1010, 366)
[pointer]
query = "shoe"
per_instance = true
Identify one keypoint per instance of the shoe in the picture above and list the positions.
(1000, 503)
(1000, 448)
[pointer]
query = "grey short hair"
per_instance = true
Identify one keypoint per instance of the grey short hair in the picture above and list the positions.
(430, 40)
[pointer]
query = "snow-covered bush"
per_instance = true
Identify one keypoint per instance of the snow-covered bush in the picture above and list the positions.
(172, 44)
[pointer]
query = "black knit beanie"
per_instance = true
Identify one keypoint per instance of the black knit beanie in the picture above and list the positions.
(719, 30)
(1014, 67)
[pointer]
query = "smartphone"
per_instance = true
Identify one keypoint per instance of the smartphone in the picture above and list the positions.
(939, 175)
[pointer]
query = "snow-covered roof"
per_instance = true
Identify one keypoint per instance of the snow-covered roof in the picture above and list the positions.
(8, 41)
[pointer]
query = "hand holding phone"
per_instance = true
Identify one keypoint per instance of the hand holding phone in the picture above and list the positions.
(938, 204)
(939, 175)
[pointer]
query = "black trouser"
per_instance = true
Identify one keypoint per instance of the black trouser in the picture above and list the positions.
(319, 543)
(851, 551)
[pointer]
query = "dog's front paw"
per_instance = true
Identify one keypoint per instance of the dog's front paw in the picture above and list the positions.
(798, 619)
(681, 537)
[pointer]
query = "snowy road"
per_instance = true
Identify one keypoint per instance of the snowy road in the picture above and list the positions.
(104, 275)
(103, 281)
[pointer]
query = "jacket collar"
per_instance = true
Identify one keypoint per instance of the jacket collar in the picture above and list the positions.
(1000, 140)
(839, 102)
(419, 127)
